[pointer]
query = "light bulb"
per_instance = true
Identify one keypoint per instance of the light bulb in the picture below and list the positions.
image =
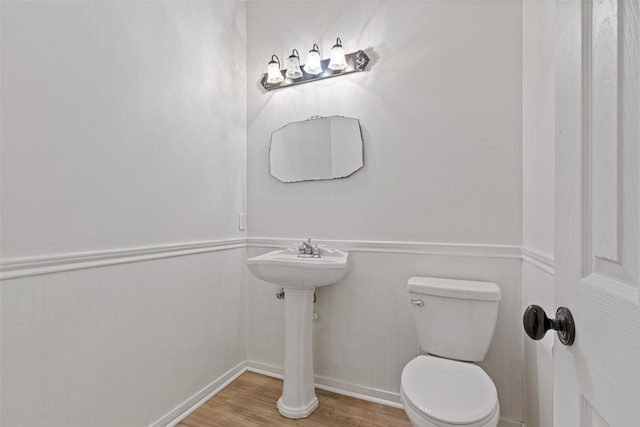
(274, 75)
(338, 61)
(293, 70)
(313, 65)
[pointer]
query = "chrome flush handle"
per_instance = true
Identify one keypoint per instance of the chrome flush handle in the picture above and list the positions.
(417, 302)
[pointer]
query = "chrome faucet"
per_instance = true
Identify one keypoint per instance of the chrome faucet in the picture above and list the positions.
(308, 250)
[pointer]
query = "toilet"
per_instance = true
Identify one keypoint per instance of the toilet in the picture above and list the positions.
(455, 321)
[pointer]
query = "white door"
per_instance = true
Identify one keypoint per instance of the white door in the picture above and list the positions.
(597, 379)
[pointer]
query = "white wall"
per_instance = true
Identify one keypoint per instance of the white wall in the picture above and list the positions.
(123, 164)
(538, 128)
(538, 125)
(440, 108)
(123, 124)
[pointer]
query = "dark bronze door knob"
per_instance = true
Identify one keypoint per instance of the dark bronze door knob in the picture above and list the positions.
(536, 324)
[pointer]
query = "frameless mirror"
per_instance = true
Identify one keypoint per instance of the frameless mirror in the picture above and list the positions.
(316, 149)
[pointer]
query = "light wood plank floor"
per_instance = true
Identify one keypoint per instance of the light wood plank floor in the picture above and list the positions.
(251, 401)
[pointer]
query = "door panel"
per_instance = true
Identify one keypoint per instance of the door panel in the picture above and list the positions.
(597, 380)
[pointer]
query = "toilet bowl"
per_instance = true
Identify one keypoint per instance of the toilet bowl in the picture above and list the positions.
(455, 321)
(438, 392)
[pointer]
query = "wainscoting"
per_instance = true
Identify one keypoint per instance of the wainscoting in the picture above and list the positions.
(126, 338)
(538, 279)
(140, 336)
(365, 334)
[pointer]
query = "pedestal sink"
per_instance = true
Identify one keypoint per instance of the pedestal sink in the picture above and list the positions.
(299, 276)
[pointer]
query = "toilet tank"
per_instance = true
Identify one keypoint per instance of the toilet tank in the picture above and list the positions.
(457, 318)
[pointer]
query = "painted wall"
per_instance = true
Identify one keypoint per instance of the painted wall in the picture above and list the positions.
(123, 127)
(123, 124)
(538, 167)
(440, 108)
(538, 125)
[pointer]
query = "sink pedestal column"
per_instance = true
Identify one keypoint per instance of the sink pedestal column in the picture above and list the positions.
(298, 398)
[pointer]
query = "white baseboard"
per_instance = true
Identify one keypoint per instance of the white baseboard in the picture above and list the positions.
(370, 394)
(181, 411)
(509, 423)
(353, 390)
(359, 392)
(264, 369)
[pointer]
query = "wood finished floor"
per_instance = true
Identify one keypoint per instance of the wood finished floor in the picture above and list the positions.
(251, 401)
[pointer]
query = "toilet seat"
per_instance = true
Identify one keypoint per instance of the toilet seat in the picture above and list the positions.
(444, 392)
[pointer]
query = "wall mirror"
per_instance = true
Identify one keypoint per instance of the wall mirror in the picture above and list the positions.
(316, 149)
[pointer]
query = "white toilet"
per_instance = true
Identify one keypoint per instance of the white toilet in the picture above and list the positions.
(455, 321)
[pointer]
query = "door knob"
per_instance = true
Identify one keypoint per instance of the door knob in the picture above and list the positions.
(536, 324)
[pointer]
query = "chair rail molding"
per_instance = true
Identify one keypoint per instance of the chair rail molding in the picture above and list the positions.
(34, 266)
(538, 259)
(420, 248)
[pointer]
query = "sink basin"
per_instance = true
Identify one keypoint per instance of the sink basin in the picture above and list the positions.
(285, 268)
(299, 276)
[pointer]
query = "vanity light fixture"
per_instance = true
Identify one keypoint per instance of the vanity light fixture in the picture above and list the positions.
(338, 61)
(274, 75)
(293, 70)
(315, 68)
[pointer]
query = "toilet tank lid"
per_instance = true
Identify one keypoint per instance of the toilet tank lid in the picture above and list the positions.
(454, 288)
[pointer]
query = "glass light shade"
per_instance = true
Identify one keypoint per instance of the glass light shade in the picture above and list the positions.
(293, 70)
(274, 75)
(313, 66)
(338, 61)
